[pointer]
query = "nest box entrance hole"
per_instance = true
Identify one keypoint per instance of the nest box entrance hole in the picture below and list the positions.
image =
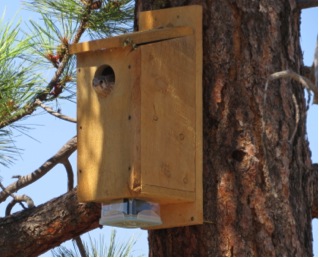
(104, 80)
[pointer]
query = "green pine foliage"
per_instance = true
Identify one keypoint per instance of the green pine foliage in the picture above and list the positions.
(35, 62)
(101, 248)
(112, 17)
(18, 82)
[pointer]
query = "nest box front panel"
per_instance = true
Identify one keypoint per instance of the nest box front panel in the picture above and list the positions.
(105, 126)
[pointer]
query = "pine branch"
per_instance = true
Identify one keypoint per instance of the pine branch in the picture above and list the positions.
(48, 225)
(69, 171)
(28, 109)
(31, 106)
(52, 112)
(305, 82)
(19, 199)
(23, 181)
(303, 4)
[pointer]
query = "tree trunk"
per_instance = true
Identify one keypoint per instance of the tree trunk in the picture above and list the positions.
(37, 230)
(257, 163)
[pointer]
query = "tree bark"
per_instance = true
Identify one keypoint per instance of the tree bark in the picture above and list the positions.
(257, 167)
(39, 229)
(314, 190)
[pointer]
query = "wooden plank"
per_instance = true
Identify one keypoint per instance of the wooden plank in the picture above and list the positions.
(166, 196)
(104, 125)
(179, 215)
(168, 114)
(183, 214)
(132, 39)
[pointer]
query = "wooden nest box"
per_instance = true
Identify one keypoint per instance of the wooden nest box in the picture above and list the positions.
(143, 138)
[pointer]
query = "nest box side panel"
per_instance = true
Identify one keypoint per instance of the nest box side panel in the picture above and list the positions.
(105, 128)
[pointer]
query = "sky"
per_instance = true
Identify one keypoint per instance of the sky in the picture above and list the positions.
(51, 133)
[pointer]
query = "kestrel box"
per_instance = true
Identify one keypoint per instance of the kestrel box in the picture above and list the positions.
(140, 137)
